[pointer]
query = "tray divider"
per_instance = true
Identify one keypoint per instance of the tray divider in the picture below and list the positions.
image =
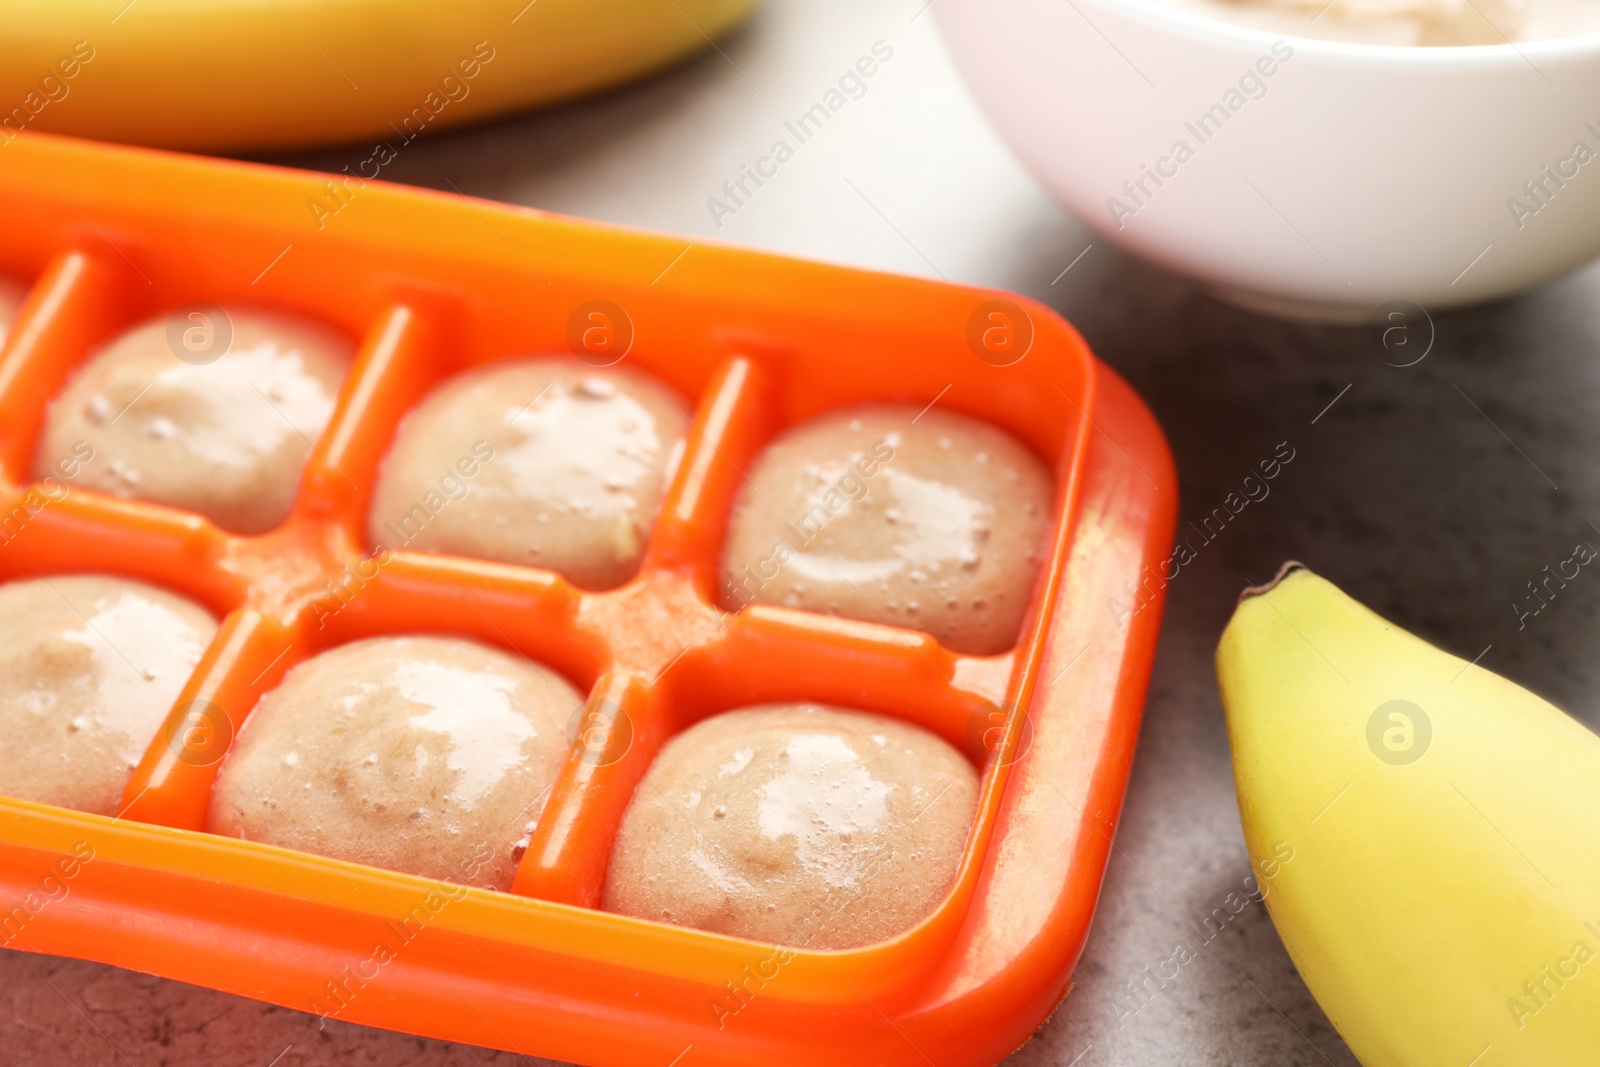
(80, 298)
(248, 657)
(613, 737)
(733, 421)
(392, 369)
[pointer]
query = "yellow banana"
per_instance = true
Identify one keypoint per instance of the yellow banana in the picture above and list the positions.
(234, 74)
(1443, 900)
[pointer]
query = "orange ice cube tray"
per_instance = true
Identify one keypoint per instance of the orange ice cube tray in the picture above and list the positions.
(432, 284)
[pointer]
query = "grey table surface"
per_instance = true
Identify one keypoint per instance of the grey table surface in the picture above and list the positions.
(1432, 492)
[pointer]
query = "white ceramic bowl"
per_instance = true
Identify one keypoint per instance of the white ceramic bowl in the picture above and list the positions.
(1351, 176)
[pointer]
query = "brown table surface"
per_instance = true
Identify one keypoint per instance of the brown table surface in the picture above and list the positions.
(1434, 513)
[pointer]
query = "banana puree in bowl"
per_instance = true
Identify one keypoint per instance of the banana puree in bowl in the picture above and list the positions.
(1408, 22)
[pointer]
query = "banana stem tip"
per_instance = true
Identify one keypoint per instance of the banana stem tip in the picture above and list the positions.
(1288, 568)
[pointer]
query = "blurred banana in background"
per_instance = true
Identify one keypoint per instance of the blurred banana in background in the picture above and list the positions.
(1444, 901)
(279, 74)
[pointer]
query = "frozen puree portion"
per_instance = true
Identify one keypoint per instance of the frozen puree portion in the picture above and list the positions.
(215, 414)
(429, 755)
(89, 667)
(543, 462)
(797, 824)
(1408, 22)
(931, 521)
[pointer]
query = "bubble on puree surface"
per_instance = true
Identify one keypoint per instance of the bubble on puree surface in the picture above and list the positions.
(428, 755)
(799, 824)
(89, 667)
(546, 463)
(215, 414)
(936, 524)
